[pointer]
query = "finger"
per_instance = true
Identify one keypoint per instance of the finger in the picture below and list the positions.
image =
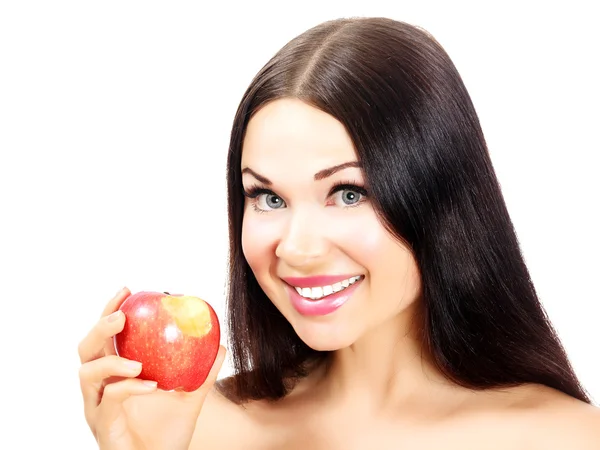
(111, 405)
(114, 305)
(93, 345)
(89, 348)
(93, 374)
(116, 301)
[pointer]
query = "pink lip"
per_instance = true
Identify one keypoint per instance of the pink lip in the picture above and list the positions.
(322, 306)
(318, 281)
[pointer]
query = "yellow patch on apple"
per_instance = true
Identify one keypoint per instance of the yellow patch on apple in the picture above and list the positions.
(191, 314)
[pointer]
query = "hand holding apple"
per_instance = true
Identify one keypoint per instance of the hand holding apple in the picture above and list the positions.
(175, 337)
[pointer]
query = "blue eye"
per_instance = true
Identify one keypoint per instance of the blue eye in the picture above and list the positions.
(264, 200)
(348, 194)
(271, 201)
(348, 197)
(344, 195)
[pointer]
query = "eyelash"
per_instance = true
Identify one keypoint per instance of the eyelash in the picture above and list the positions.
(254, 191)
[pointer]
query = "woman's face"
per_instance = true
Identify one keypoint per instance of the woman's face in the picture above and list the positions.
(309, 229)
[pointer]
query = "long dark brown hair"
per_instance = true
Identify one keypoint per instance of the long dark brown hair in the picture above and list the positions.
(431, 180)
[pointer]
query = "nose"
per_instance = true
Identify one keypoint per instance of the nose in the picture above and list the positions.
(302, 241)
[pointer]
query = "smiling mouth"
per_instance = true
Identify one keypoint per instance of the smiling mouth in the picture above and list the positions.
(319, 292)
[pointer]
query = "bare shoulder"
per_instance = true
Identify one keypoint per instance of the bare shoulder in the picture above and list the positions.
(555, 420)
(224, 424)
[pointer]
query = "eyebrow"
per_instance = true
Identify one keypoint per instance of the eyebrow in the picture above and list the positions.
(320, 175)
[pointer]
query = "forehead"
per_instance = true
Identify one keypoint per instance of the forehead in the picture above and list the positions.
(292, 132)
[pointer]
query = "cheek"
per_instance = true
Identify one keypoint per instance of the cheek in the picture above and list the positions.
(363, 239)
(257, 243)
(390, 264)
(395, 271)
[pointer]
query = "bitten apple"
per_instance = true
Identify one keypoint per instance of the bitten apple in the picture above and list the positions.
(175, 337)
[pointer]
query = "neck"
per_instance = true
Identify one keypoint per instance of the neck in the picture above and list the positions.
(385, 366)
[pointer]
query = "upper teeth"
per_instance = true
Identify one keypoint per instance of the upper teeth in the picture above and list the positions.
(322, 291)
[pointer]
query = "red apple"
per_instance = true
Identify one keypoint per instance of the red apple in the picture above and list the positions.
(175, 337)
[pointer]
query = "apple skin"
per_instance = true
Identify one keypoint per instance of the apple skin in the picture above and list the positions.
(175, 337)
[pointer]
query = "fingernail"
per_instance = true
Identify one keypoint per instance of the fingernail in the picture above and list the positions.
(150, 384)
(114, 316)
(120, 291)
(133, 365)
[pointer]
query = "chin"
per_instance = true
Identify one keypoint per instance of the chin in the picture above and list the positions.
(324, 336)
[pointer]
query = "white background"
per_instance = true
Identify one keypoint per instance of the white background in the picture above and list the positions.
(114, 126)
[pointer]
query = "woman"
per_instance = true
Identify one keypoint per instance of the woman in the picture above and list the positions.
(378, 297)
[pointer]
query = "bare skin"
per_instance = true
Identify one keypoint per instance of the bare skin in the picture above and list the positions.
(528, 417)
(381, 389)
(124, 414)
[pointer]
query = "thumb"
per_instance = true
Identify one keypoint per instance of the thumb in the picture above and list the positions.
(211, 378)
(216, 368)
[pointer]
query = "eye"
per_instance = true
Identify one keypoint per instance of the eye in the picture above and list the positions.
(269, 201)
(264, 200)
(348, 195)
